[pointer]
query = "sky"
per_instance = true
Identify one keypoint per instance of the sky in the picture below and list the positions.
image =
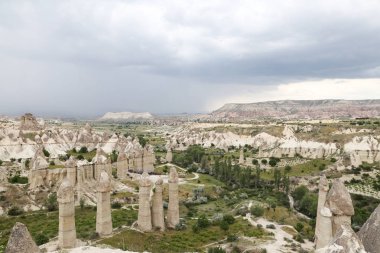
(84, 58)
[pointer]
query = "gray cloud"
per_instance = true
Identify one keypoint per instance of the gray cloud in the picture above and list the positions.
(89, 57)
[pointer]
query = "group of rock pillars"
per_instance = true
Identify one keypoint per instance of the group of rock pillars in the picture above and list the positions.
(333, 232)
(151, 210)
(67, 232)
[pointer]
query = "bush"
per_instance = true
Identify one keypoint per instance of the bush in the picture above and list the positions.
(41, 239)
(116, 205)
(216, 250)
(333, 160)
(80, 157)
(257, 211)
(17, 179)
(299, 192)
(231, 238)
(195, 228)
(299, 226)
(271, 226)
(264, 161)
(83, 150)
(46, 153)
(52, 163)
(203, 222)
(81, 203)
(51, 202)
(15, 211)
(1, 162)
(224, 225)
(229, 219)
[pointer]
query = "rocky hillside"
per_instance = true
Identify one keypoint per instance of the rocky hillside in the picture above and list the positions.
(299, 109)
(126, 116)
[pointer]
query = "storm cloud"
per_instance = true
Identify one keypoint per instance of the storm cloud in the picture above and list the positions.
(83, 58)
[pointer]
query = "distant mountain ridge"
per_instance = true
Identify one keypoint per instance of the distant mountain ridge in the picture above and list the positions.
(126, 116)
(299, 109)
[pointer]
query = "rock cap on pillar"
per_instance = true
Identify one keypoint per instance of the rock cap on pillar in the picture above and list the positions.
(65, 192)
(173, 175)
(144, 180)
(339, 200)
(104, 182)
(370, 232)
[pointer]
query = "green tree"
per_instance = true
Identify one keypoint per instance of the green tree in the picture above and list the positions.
(51, 202)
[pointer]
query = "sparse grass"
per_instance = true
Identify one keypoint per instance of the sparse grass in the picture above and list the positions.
(47, 222)
(179, 241)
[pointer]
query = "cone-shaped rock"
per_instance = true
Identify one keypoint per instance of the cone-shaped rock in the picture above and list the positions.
(157, 207)
(103, 211)
(369, 234)
(340, 203)
(20, 240)
(144, 220)
(345, 241)
(323, 227)
(173, 206)
(67, 233)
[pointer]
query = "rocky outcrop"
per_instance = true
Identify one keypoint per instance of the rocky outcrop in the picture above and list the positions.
(323, 227)
(66, 232)
(103, 211)
(340, 203)
(345, 241)
(241, 156)
(157, 206)
(144, 220)
(369, 233)
(363, 149)
(173, 206)
(20, 240)
(29, 123)
(169, 155)
(299, 109)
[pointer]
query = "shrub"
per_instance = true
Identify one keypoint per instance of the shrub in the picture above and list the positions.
(15, 211)
(46, 153)
(195, 228)
(271, 226)
(299, 192)
(333, 160)
(229, 219)
(231, 238)
(216, 250)
(116, 205)
(257, 211)
(80, 157)
(52, 163)
(51, 202)
(17, 179)
(81, 203)
(299, 226)
(224, 225)
(264, 161)
(1, 162)
(41, 239)
(83, 150)
(203, 222)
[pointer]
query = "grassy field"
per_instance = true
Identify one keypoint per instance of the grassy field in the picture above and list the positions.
(87, 156)
(179, 241)
(312, 167)
(47, 222)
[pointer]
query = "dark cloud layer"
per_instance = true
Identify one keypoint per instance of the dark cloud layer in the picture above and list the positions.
(88, 57)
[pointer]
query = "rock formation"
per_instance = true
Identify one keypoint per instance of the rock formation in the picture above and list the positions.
(20, 240)
(29, 123)
(339, 202)
(323, 227)
(122, 165)
(345, 241)
(157, 207)
(103, 211)
(173, 206)
(169, 155)
(369, 234)
(66, 232)
(144, 220)
(148, 159)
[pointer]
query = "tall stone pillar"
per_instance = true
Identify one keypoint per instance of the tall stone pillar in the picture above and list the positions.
(173, 206)
(323, 227)
(157, 207)
(103, 210)
(340, 203)
(169, 155)
(144, 220)
(66, 234)
(122, 165)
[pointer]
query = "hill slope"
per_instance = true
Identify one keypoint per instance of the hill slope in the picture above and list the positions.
(299, 109)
